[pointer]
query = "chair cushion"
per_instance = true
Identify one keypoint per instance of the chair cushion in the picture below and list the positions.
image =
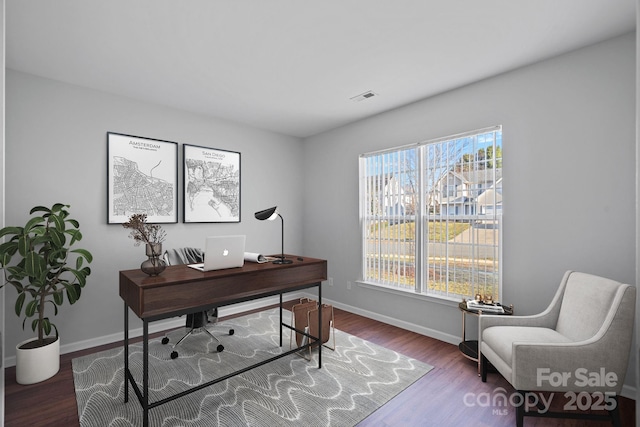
(501, 338)
(586, 302)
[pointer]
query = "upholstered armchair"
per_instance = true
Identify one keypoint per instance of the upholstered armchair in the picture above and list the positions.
(580, 343)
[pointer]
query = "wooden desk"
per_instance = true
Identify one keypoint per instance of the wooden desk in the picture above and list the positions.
(182, 290)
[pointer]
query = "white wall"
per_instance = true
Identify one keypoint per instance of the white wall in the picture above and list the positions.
(57, 152)
(569, 180)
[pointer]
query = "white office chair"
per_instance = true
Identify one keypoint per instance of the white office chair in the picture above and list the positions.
(196, 322)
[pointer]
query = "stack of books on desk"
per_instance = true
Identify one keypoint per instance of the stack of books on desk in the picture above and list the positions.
(475, 305)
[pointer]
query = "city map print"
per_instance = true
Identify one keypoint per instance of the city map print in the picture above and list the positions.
(211, 185)
(142, 178)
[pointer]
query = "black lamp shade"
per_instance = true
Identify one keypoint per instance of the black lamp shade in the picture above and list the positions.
(270, 213)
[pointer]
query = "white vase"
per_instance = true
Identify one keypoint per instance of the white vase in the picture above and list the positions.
(37, 364)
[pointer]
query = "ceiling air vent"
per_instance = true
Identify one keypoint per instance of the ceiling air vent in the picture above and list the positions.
(366, 95)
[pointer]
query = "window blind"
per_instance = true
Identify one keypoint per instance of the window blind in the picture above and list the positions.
(431, 216)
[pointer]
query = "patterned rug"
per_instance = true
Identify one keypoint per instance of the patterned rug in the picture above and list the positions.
(356, 379)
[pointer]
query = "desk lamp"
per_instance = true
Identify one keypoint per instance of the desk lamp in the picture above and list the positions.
(271, 214)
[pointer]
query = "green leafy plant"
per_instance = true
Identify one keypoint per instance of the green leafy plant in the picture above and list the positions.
(45, 270)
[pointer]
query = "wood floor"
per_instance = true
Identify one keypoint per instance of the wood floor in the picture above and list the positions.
(450, 395)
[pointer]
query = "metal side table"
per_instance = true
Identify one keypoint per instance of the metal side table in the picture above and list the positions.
(469, 348)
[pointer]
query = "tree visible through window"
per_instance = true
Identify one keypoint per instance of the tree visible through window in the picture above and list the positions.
(431, 216)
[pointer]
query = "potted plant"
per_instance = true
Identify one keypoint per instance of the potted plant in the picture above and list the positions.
(39, 264)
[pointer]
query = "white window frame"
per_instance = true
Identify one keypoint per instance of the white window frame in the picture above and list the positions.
(389, 261)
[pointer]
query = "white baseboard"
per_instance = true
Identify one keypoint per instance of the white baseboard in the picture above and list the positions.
(448, 338)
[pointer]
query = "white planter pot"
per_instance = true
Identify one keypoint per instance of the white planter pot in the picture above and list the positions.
(37, 364)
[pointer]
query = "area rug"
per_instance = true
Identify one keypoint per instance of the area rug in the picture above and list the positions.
(355, 379)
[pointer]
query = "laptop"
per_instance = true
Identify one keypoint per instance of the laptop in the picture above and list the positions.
(222, 252)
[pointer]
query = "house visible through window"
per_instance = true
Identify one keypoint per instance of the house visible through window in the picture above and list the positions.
(431, 216)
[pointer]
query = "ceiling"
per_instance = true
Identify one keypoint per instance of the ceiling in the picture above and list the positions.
(291, 66)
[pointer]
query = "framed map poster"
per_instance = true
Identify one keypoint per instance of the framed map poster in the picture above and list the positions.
(142, 178)
(211, 185)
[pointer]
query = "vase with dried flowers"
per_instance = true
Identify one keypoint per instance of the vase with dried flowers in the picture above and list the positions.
(152, 235)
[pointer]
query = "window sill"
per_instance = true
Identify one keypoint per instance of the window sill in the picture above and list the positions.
(451, 302)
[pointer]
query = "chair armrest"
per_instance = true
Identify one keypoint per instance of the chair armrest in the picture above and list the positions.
(546, 319)
(589, 366)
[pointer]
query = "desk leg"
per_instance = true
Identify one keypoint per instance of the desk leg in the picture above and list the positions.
(320, 325)
(126, 353)
(281, 319)
(145, 373)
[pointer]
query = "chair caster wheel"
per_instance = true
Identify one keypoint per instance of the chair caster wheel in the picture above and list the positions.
(220, 348)
(231, 332)
(165, 340)
(174, 354)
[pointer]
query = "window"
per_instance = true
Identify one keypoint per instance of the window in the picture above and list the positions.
(431, 216)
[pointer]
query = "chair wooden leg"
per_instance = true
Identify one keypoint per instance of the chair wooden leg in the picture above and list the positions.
(483, 368)
(615, 413)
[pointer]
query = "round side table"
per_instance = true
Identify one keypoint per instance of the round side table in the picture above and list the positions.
(469, 348)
